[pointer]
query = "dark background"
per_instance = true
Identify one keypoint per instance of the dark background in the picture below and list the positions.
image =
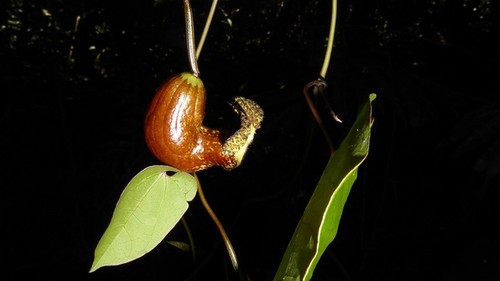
(425, 205)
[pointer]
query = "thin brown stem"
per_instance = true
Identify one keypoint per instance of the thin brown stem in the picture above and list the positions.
(206, 28)
(227, 242)
(319, 85)
(191, 46)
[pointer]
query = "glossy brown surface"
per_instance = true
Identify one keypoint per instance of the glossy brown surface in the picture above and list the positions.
(174, 131)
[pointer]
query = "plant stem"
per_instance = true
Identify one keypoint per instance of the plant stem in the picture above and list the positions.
(206, 28)
(188, 14)
(329, 46)
(227, 242)
(318, 85)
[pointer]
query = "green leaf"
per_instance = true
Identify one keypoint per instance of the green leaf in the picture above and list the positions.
(319, 223)
(151, 204)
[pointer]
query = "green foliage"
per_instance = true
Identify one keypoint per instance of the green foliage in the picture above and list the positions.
(319, 224)
(157, 197)
(151, 204)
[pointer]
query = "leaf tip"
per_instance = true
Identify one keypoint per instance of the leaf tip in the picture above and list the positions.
(96, 264)
(94, 267)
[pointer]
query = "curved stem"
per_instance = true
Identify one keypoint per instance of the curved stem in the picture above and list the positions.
(206, 28)
(188, 13)
(318, 85)
(329, 47)
(227, 242)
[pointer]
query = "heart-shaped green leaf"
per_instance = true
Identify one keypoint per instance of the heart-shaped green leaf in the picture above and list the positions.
(151, 204)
